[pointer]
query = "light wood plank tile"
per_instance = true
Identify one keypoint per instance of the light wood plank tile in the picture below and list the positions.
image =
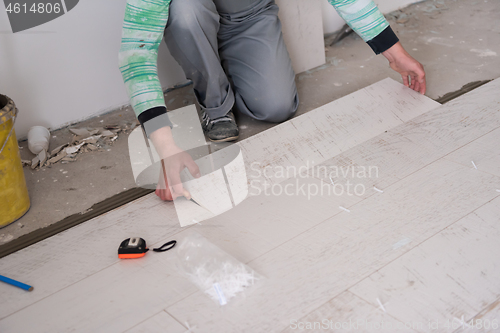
(189, 212)
(335, 127)
(317, 261)
(70, 256)
(159, 323)
(287, 209)
(89, 248)
(242, 243)
(112, 300)
(453, 274)
(320, 263)
(484, 152)
(488, 320)
(411, 146)
(348, 313)
(106, 293)
(457, 122)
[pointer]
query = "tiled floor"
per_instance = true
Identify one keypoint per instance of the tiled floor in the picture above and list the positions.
(422, 251)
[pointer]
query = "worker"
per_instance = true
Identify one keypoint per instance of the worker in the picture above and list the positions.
(233, 51)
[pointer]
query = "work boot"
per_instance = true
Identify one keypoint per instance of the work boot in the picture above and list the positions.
(220, 129)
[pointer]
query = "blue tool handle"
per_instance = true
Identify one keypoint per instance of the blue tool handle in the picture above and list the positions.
(15, 283)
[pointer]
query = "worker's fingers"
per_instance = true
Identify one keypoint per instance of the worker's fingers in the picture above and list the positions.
(164, 194)
(177, 191)
(421, 80)
(405, 79)
(417, 86)
(419, 73)
(187, 194)
(180, 191)
(174, 179)
(192, 167)
(162, 184)
(162, 189)
(423, 87)
(177, 188)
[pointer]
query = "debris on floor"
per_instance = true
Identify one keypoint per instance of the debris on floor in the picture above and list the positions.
(410, 15)
(344, 32)
(84, 140)
(5, 238)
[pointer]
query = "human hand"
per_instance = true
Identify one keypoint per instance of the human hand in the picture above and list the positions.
(170, 185)
(174, 160)
(411, 70)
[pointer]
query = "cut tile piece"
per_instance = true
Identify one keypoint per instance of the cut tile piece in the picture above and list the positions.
(34, 162)
(57, 150)
(187, 133)
(189, 212)
(222, 184)
(80, 131)
(42, 156)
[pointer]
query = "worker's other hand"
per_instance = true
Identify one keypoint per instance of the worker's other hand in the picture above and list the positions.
(411, 70)
(171, 167)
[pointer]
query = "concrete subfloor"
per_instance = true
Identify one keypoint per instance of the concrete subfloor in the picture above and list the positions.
(457, 41)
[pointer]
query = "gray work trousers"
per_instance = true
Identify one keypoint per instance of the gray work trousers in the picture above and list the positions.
(234, 59)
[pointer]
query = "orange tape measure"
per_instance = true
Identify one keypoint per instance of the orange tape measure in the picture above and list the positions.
(135, 247)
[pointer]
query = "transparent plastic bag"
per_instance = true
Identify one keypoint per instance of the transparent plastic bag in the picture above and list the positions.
(213, 271)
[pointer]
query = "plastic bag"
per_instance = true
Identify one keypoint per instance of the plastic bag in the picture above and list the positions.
(212, 270)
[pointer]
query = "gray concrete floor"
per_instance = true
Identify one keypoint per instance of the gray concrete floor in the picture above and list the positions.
(457, 41)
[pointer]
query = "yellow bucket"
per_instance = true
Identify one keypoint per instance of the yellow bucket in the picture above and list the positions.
(14, 198)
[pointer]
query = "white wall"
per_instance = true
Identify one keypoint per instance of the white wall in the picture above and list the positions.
(332, 21)
(66, 70)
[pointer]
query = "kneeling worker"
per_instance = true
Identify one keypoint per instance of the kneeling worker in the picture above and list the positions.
(234, 53)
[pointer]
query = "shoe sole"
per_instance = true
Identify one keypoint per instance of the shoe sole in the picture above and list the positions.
(231, 138)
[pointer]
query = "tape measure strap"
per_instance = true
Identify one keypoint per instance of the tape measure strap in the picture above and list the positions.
(163, 249)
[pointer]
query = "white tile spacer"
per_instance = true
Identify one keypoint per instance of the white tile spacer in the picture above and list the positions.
(460, 321)
(378, 190)
(474, 164)
(343, 208)
(189, 329)
(331, 180)
(381, 305)
(498, 190)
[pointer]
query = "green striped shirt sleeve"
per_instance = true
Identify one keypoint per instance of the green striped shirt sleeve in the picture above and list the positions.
(142, 32)
(363, 16)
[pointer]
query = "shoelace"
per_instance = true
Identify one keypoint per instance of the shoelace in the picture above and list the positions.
(208, 120)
